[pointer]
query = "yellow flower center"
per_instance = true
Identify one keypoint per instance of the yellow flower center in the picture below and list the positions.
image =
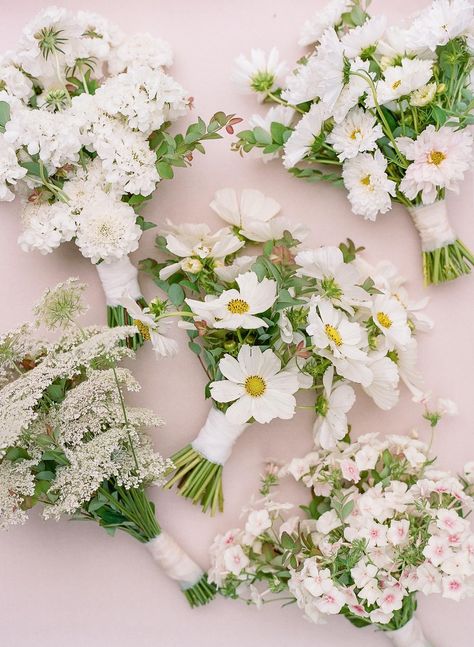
(436, 157)
(354, 133)
(397, 84)
(384, 320)
(255, 386)
(142, 329)
(333, 334)
(238, 306)
(365, 180)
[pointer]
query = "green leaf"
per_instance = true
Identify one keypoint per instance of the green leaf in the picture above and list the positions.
(4, 115)
(164, 170)
(287, 542)
(262, 136)
(144, 224)
(46, 475)
(194, 347)
(176, 294)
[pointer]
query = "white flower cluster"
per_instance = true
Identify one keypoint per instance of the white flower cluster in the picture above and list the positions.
(78, 152)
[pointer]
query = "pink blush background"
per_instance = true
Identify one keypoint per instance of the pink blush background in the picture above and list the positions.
(70, 584)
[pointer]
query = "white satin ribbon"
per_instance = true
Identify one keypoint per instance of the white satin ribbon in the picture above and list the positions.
(118, 279)
(432, 223)
(217, 437)
(410, 635)
(174, 561)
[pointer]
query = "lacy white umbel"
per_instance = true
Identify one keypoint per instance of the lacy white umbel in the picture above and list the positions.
(173, 560)
(432, 222)
(410, 635)
(119, 279)
(217, 437)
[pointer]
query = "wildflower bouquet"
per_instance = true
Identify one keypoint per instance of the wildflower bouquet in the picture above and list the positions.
(382, 526)
(381, 110)
(266, 318)
(85, 114)
(70, 444)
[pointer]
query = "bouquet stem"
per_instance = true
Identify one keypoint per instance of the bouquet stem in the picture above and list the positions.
(445, 258)
(119, 316)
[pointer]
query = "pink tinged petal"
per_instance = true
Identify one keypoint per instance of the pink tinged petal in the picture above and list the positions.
(225, 391)
(232, 369)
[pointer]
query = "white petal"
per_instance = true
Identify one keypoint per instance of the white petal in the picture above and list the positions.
(225, 391)
(232, 369)
(226, 205)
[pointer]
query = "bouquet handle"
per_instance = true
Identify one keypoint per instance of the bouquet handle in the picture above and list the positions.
(410, 635)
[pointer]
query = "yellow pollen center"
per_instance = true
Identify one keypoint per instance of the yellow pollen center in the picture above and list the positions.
(333, 334)
(396, 85)
(255, 386)
(238, 306)
(365, 180)
(384, 320)
(436, 157)
(354, 133)
(142, 329)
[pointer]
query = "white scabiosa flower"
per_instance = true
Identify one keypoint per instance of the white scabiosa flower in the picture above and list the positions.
(139, 50)
(365, 37)
(332, 407)
(390, 317)
(151, 327)
(237, 308)
(368, 185)
(107, 230)
(358, 133)
(10, 170)
(260, 73)
(256, 385)
(13, 80)
(439, 160)
(306, 131)
(329, 16)
(46, 226)
(245, 213)
(442, 21)
(400, 80)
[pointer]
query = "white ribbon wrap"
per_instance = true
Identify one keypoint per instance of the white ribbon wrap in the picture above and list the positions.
(174, 561)
(432, 223)
(119, 279)
(410, 635)
(217, 437)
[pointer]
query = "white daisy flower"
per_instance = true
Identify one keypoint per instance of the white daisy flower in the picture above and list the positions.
(368, 185)
(332, 407)
(400, 80)
(276, 114)
(384, 387)
(256, 385)
(390, 317)
(330, 328)
(245, 214)
(355, 87)
(234, 309)
(396, 42)
(150, 327)
(439, 160)
(424, 95)
(259, 73)
(358, 133)
(329, 69)
(338, 279)
(329, 16)
(364, 37)
(306, 131)
(442, 21)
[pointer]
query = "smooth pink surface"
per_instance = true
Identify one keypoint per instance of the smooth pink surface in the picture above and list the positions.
(69, 584)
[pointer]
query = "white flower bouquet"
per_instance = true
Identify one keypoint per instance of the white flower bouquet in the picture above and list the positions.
(381, 110)
(71, 445)
(266, 318)
(383, 525)
(85, 115)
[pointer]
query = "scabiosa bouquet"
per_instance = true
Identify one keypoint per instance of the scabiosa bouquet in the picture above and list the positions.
(267, 317)
(85, 115)
(69, 442)
(382, 111)
(382, 525)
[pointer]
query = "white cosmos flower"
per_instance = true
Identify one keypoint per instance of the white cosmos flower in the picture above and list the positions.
(439, 160)
(384, 387)
(368, 184)
(442, 21)
(391, 318)
(228, 273)
(151, 329)
(338, 279)
(245, 214)
(332, 406)
(358, 133)
(400, 80)
(306, 131)
(276, 114)
(260, 73)
(329, 69)
(330, 329)
(329, 16)
(256, 385)
(234, 308)
(363, 37)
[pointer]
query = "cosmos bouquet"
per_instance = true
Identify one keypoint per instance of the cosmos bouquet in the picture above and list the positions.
(381, 110)
(382, 525)
(85, 113)
(266, 318)
(70, 444)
